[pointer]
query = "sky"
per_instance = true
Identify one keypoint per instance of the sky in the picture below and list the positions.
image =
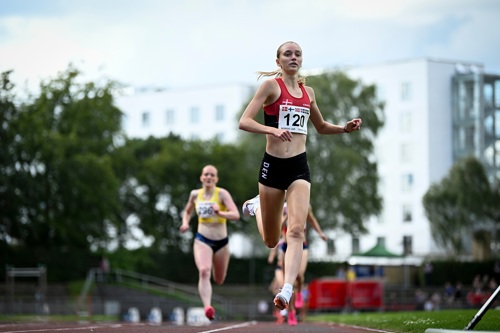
(190, 43)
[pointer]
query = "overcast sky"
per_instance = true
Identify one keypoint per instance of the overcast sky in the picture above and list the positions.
(183, 43)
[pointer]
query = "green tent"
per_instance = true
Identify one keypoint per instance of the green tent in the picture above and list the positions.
(381, 256)
(379, 250)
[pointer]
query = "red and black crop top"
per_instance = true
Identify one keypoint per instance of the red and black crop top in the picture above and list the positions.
(288, 112)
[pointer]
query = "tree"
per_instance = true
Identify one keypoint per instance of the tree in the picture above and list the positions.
(464, 203)
(345, 179)
(61, 174)
(9, 179)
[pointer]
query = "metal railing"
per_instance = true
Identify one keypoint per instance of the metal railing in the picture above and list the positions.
(142, 282)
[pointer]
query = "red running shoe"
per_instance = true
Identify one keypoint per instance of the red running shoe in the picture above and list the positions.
(292, 319)
(279, 318)
(210, 312)
(299, 302)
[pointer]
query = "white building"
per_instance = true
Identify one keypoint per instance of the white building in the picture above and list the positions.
(416, 147)
(423, 136)
(198, 113)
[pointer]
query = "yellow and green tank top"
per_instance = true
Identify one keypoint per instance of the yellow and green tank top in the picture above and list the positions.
(204, 207)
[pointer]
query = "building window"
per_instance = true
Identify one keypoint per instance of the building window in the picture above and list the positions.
(195, 115)
(219, 113)
(466, 138)
(170, 117)
(330, 250)
(461, 139)
(355, 245)
(407, 245)
(146, 119)
(405, 122)
(407, 182)
(381, 241)
(469, 138)
(488, 95)
(497, 93)
(405, 91)
(407, 213)
(406, 152)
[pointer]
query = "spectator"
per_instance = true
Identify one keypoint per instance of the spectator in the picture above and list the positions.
(458, 294)
(492, 285)
(351, 274)
(419, 299)
(477, 283)
(428, 306)
(449, 292)
(496, 271)
(341, 273)
(485, 283)
(428, 268)
(433, 303)
(436, 301)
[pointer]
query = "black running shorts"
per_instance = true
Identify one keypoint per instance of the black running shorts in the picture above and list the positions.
(280, 173)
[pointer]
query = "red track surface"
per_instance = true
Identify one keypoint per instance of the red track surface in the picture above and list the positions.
(226, 327)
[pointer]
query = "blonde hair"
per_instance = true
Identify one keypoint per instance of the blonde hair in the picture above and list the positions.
(278, 72)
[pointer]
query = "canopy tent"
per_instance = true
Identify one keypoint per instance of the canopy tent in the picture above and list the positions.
(380, 256)
(379, 250)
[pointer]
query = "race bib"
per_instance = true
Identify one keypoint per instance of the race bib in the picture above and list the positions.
(205, 209)
(293, 118)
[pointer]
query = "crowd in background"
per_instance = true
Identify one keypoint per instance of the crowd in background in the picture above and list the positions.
(454, 295)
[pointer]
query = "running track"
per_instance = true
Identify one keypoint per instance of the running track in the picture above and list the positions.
(224, 327)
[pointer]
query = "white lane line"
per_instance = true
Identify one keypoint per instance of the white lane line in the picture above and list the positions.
(248, 323)
(91, 328)
(363, 328)
(56, 329)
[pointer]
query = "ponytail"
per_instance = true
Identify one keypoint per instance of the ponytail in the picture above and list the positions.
(276, 73)
(279, 73)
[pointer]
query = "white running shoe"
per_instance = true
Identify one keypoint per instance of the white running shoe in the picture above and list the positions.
(251, 205)
(280, 301)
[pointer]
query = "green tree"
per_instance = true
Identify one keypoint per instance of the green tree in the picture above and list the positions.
(463, 203)
(62, 176)
(345, 179)
(10, 181)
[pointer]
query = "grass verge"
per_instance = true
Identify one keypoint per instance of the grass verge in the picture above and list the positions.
(413, 322)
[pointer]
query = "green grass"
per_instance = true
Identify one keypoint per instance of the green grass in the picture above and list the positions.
(413, 322)
(407, 322)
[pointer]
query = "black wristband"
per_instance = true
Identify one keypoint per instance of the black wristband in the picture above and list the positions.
(345, 129)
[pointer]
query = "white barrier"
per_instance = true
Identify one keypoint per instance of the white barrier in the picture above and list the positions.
(196, 317)
(177, 316)
(133, 315)
(155, 316)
